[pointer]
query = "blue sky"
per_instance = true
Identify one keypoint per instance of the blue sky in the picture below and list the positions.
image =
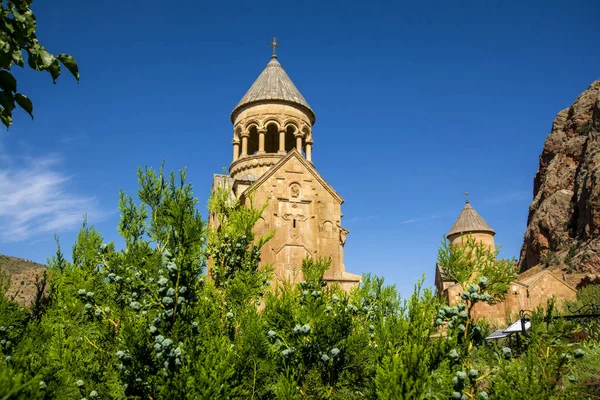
(416, 103)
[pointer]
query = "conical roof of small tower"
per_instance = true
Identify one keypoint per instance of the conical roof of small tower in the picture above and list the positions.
(273, 84)
(470, 221)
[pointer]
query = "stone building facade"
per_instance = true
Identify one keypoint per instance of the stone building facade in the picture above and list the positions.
(272, 163)
(531, 289)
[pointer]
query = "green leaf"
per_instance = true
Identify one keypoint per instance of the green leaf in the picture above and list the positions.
(18, 16)
(46, 58)
(7, 100)
(6, 117)
(18, 57)
(6, 48)
(30, 22)
(8, 26)
(32, 59)
(26, 24)
(54, 70)
(24, 102)
(70, 63)
(7, 81)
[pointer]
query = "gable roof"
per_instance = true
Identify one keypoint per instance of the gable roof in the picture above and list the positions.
(273, 84)
(469, 221)
(293, 154)
(458, 284)
(533, 280)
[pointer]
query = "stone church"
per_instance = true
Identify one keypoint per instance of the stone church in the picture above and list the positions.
(272, 163)
(529, 290)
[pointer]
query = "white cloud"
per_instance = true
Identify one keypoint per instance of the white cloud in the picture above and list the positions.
(35, 199)
(418, 219)
(67, 140)
(357, 219)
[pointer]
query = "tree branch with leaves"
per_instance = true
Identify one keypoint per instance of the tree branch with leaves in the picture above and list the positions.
(17, 36)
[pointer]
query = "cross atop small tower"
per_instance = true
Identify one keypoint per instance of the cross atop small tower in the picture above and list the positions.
(275, 46)
(466, 197)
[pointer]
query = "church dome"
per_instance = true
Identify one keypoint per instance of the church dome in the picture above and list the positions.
(469, 221)
(271, 120)
(273, 84)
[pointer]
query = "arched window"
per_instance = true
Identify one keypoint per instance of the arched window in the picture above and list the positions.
(253, 141)
(272, 139)
(290, 139)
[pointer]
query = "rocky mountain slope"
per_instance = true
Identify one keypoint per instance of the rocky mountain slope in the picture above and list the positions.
(563, 227)
(23, 274)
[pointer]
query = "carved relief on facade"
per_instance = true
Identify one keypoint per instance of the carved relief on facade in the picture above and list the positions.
(288, 261)
(294, 190)
(295, 215)
(326, 227)
(343, 232)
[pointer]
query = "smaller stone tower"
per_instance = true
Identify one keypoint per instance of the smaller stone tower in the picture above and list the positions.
(527, 292)
(469, 222)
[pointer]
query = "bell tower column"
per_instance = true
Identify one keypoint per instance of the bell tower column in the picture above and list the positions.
(309, 151)
(281, 141)
(236, 149)
(261, 141)
(299, 143)
(244, 144)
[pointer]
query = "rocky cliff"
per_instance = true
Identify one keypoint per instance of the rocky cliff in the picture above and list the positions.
(563, 227)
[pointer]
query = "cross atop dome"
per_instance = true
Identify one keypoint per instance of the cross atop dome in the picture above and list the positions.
(275, 46)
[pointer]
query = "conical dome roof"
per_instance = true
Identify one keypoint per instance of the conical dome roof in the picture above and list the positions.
(273, 84)
(470, 221)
